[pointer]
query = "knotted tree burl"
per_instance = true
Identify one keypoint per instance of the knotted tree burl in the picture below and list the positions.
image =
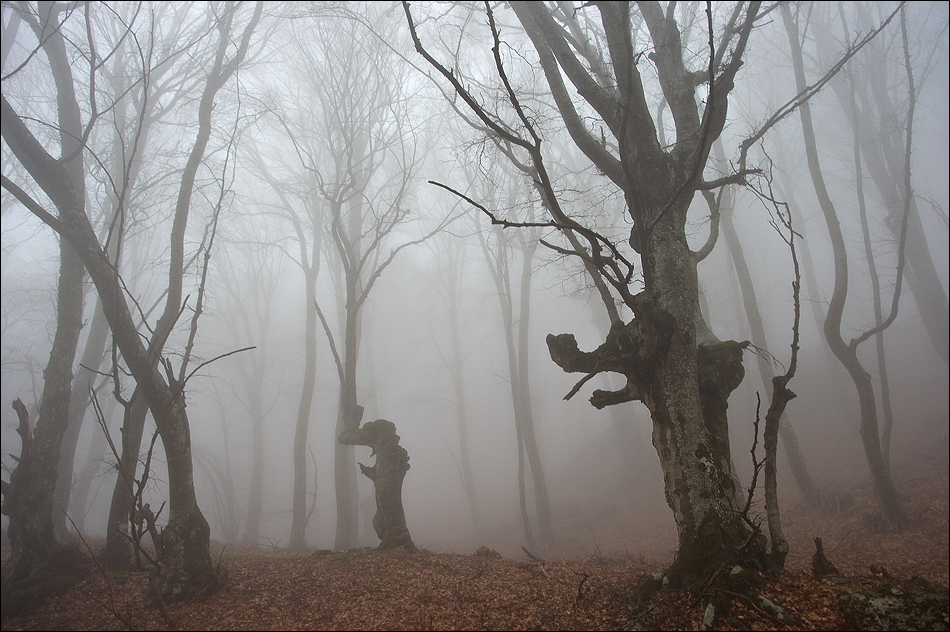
(638, 350)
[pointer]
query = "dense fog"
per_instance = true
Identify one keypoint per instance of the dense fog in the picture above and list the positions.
(319, 188)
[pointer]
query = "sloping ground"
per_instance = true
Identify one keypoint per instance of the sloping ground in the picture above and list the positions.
(361, 589)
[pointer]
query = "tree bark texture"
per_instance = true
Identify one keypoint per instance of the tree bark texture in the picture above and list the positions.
(392, 464)
(30, 501)
(683, 383)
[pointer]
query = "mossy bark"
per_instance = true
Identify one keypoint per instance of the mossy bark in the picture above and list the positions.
(686, 387)
(190, 571)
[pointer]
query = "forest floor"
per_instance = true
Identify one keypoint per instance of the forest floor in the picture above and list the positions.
(361, 589)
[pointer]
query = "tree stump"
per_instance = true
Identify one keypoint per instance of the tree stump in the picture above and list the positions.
(392, 463)
(820, 565)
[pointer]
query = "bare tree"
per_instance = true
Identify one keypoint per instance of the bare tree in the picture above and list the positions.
(682, 376)
(606, 66)
(514, 302)
(252, 270)
(186, 538)
(36, 560)
(887, 495)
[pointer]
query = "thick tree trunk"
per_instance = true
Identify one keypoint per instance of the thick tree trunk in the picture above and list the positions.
(690, 426)
(686, 388)
(36, 562)
(29, 503)
(684, 385)
(392, 463)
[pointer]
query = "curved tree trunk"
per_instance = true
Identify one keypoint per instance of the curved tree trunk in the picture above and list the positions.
(35, 557)
(28, 499)
(885, 490)
(884, 160)
(186, 540)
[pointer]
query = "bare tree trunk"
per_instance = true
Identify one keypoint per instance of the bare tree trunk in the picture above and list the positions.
(36, 563)
(887, 495)
(29, 497)
(875, 280)
(79, 401)
(347, 493)
(541, 499)
(298, 528)
(458, 386)
(811, 495)
(392, 463)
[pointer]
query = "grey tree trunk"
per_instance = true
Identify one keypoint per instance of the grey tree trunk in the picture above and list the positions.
(186, 540)
(458, 386)
(885, 490)
(811, 495)
(79, 401)
(392, 463)
(876, 110)
(36, 562)
(298, 536)
(29, 497)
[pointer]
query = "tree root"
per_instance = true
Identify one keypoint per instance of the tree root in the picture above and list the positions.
(740, 584)
(720, 589)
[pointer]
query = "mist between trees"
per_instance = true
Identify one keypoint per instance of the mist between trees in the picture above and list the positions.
(236, 234)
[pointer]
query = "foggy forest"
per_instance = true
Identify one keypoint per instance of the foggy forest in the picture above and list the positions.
(503, 315)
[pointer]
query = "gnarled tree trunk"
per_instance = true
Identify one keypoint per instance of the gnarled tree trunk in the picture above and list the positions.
(392, 463)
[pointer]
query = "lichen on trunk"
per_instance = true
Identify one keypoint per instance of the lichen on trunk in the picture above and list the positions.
(190, 572)
(694, 451)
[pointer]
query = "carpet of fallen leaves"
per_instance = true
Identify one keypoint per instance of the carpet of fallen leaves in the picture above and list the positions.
(365, 590)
